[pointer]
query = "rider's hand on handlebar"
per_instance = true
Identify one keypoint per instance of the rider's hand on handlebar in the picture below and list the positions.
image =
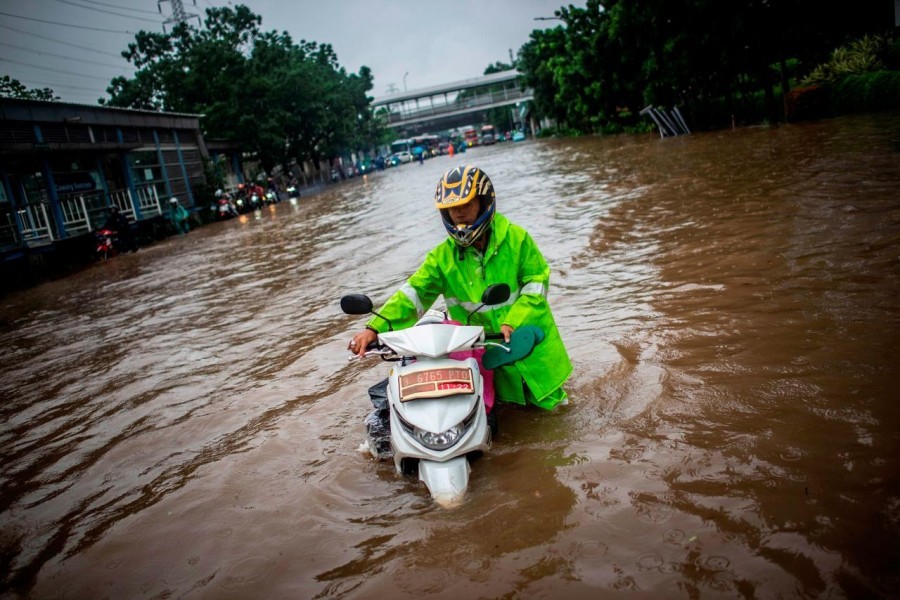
(506, 330)
(361, 341)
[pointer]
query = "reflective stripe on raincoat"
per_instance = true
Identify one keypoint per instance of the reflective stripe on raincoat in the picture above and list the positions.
(513, 258)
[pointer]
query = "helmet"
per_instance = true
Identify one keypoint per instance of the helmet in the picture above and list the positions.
(458, 187)
(174, 200)
(218, 193)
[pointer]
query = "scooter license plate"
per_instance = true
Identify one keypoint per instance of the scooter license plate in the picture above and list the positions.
(436, 383)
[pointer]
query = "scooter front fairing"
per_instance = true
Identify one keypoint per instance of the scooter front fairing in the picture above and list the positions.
(439, 429)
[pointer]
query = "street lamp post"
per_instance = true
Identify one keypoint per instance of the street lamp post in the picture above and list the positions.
(404, 80)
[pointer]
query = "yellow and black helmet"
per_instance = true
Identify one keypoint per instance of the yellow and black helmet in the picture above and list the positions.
(458, 187)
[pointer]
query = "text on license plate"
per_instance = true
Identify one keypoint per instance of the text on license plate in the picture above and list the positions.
(435, 383)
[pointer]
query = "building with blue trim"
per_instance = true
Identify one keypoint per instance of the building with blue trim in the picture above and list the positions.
(64, 165)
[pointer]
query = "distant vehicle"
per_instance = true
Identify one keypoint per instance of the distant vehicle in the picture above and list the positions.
(398, 146)
(107, 243)
(366, 166)
(488, 135)
(518, 136)
(401, 157)
(426, 144)
(471, 137)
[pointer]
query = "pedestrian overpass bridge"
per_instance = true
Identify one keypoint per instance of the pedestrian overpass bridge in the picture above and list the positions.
(452, 105)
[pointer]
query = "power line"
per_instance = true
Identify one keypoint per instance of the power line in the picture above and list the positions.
(54, 86)
(63, 56)
(146, 12)
(25, 64)
(51, 39)
(106, 12)
(67, 24)
(32, 68)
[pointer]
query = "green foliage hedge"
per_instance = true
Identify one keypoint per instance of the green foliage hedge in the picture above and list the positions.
(866, 92)
(860, 92)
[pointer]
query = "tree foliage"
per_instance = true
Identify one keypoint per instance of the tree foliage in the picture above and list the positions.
(864, 55)
(283, 100)
(13, 88)
(611, 58)
(498, 67)
(500, 116)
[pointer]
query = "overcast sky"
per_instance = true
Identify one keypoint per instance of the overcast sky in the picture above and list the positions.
(74, 46)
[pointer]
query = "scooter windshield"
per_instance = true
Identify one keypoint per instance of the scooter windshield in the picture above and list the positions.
(433, 340)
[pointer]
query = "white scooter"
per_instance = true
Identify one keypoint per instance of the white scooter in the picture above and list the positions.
(437, 411)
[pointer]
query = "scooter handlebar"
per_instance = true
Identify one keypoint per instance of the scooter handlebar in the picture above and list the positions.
(373, 349)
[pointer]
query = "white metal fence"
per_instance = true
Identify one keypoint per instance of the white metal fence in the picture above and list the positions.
(80, 214)
(75, 215)
(148, 201)
(34, 224)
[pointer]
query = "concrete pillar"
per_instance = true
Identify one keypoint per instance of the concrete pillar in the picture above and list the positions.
(162, 165)
(187, 182)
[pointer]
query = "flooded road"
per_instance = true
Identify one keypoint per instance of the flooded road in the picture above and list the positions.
(183, 422)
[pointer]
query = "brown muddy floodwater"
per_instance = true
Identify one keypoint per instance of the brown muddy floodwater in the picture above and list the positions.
(183, 422)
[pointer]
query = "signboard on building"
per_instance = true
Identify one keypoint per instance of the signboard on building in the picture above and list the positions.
(74, 182)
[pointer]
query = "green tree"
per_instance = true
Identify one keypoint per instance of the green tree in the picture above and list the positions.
(13, 88)
(537, 59)
(499, 117)
(498, 67)
(280, 100)
(613, 57)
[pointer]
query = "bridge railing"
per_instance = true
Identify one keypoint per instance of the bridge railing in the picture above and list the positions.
(507, 95)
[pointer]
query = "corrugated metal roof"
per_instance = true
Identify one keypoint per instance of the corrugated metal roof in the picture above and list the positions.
(79, 106)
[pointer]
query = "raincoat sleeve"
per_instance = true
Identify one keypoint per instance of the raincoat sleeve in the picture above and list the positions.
(415, 297)
(534, 281)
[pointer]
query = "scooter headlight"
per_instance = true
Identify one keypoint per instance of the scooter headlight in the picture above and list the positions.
(444, 439)
(439, 441)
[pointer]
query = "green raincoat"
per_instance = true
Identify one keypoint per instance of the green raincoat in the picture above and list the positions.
(510, 257)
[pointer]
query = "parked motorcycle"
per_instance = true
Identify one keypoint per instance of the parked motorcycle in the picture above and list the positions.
(225, 209)
(437, 415)
(107, 243)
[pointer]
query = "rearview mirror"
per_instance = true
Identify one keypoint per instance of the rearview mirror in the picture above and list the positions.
(492, 296)
(356, 304)
(495, 294)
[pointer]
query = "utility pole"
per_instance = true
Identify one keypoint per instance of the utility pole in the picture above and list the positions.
(178, 13)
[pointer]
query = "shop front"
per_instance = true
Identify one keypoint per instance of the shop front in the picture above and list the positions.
(63, 166)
